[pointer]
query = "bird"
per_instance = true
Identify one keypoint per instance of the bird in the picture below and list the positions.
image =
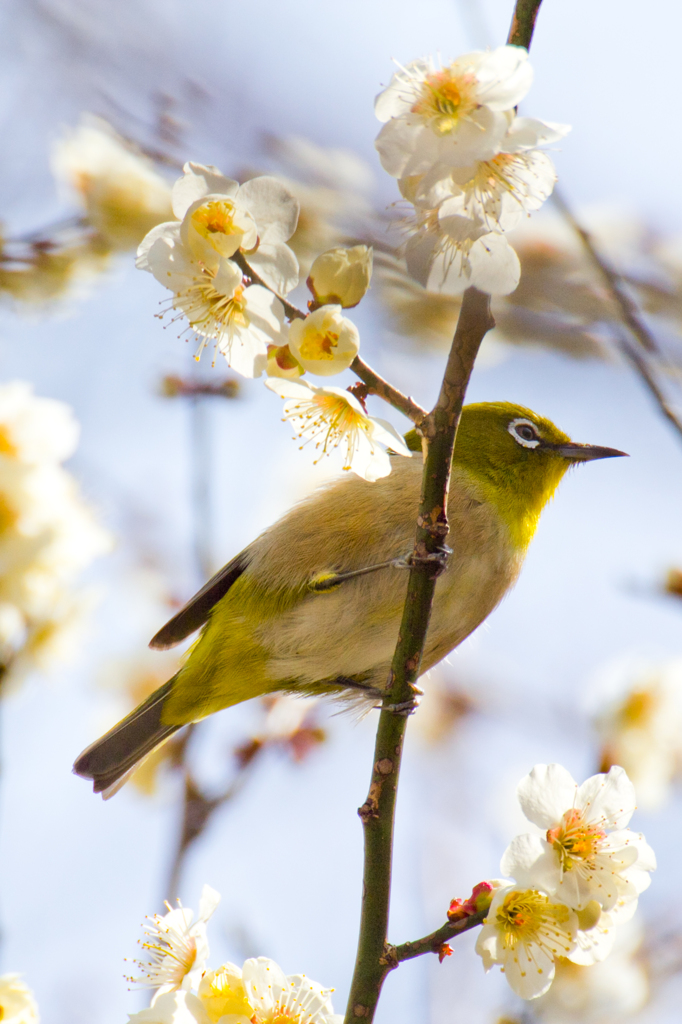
(314, 604)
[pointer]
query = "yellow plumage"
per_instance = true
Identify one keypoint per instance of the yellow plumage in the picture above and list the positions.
(268, 629)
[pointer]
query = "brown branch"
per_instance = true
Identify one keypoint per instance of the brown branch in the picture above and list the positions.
(376, 385)
(292, 312)
(523, 23)
(428, 561)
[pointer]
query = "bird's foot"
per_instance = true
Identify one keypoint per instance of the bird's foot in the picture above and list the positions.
(405, 707)
(436, 562)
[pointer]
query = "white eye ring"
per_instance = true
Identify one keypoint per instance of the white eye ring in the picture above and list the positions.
(523, 441)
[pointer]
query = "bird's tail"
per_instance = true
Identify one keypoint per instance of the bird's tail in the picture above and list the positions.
(112, 758)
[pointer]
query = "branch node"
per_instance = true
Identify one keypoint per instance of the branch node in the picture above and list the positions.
(390, 957)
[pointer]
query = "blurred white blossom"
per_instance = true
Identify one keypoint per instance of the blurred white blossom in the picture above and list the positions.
(47, 534)
(641, 730)
(17, 1005)
(121, 192)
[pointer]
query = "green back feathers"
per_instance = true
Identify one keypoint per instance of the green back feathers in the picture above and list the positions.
(518, 481)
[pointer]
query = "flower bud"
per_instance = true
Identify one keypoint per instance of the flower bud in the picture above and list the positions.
(340, 276)
(325, 342)
(281, 363)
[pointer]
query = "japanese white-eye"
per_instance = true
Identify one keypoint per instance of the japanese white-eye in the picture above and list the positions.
(291, 612)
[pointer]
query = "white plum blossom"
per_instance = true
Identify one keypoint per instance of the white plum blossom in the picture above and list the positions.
(218, 217)
(17, 1005)
(524, 932)
(498, 192)
(333, 418)
(277, 998)
(586, 852)
(325, 342)
(607, 992)
(241, 320)
(448, 253)
(177, 947)
(452, 115)
(174, 1008)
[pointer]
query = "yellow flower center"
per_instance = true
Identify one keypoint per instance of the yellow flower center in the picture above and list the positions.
(209, 312)
(216, 218)
(225, 995)
(446, 98)
(318, 345)
(331, 419)
(524, 913)
(574, 840)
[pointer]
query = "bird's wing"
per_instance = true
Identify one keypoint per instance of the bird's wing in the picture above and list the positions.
(197, 610)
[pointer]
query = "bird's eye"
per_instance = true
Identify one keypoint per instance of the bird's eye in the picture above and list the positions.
(524, 433)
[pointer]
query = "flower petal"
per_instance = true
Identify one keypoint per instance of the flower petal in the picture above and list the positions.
(272, 206)
(608, 800)
(199, 181)
(546, 793)
(276, 264)
(529, 132)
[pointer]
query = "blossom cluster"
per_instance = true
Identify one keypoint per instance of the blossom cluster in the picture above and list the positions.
(187, 992)
(227, 262)
(470, 167)
(575, 880)
(47, 534)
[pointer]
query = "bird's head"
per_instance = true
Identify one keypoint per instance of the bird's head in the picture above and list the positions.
(518, 458)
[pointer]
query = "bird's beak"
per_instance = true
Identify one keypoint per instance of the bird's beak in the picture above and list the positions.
(585, 452)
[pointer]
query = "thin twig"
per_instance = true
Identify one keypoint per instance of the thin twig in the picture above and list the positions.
(630, 315)
(629, 310)
(382, 389)
(197, 811)
(434, 942)
(639, 364)
(292, 312)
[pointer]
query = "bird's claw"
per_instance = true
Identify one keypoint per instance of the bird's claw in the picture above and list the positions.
(436, 561)
(405, 707)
